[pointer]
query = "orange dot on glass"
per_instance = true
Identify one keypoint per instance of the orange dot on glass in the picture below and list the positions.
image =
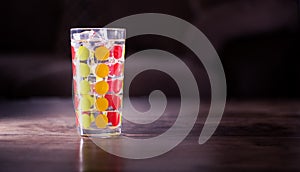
(102, 70)
(101, 87)
(101, 53)
(101, 121)
(101, 104)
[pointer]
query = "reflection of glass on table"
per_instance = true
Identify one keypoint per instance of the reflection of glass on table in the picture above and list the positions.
(92, 158)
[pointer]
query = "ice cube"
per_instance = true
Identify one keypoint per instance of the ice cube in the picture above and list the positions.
(95, 36)
(92, 78)
(109, 44)
(103, 34)
(82, 36)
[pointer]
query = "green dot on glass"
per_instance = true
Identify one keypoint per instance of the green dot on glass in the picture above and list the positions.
(85, 121)
(84, 70)
(84, 87)
(83, 53)
(85, 104)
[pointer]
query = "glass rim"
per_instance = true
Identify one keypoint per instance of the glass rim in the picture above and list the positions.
(97, 28)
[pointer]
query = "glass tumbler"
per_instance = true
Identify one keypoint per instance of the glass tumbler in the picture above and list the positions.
(98, 72)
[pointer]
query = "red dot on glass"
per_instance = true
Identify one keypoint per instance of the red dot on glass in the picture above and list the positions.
(73, 69)
(72, 52)
(111, 69)
(114, 101)
(117, 51)
(76, 101)
(110, 88)
(77, 121)
(109, 98)
(118, 68)
(115, 85)
(115, 69)
(114, 118)
(74, 86)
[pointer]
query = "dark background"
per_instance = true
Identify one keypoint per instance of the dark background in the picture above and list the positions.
(256, 40)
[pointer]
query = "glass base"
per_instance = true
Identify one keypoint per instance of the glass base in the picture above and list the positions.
(101, 133)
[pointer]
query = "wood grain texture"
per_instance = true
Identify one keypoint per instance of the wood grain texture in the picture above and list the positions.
(40, 135)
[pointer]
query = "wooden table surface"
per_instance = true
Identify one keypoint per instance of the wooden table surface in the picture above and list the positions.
(40, 135)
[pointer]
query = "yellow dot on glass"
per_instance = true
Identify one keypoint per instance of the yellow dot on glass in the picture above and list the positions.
(101, 104)
(102, 70)
(84, 70)
(92, 118)
(101, 121)
(101, 87)
(91, 98)
(102, 53)
(83, 53)
(84, 87)
(84, 104)
(85, 121)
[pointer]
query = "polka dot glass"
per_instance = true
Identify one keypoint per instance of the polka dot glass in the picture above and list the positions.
(98, 72)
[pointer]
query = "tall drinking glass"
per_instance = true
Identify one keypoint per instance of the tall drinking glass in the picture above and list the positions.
(98, 72)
